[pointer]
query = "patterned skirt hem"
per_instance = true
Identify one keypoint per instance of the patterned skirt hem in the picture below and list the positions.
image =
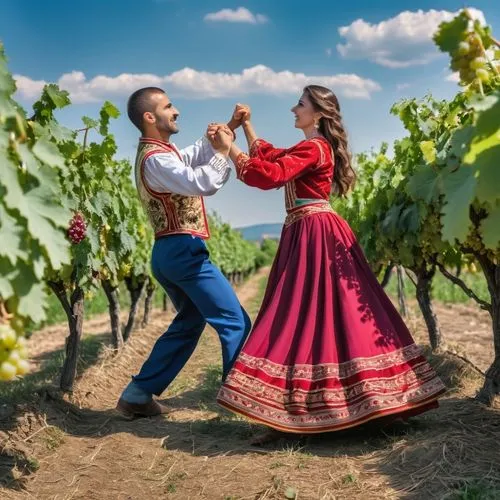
(312, 426)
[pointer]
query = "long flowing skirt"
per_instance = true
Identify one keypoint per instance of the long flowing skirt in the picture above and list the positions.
(328, 349)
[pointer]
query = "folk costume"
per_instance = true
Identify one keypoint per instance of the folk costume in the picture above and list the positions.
(171, 185)
(328, 349)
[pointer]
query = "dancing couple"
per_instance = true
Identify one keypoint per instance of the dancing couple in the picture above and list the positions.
(328, 350)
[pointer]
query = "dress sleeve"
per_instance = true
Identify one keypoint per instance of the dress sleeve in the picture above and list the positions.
(266, 173)
(264, 150)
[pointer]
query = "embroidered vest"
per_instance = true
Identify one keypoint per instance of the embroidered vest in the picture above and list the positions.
(169, 213)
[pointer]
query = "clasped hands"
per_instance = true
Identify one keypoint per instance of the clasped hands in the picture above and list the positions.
(221, 135)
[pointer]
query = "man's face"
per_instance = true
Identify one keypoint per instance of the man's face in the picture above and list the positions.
(165, 114)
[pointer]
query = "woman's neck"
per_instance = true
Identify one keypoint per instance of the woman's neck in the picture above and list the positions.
(312, 132)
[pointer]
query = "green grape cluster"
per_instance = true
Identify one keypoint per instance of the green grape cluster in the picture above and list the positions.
(13, 354)
(469, 59)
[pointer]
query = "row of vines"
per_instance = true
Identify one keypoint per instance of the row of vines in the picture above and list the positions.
(434, 203)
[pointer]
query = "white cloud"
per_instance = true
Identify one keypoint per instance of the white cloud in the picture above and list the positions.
(328, 52)
(239, 15)
(194, 84)
(401, 41)
(30, 89)
(403, 86)
(453, 77)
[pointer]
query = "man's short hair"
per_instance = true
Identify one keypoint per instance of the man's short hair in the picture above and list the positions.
(139, 103)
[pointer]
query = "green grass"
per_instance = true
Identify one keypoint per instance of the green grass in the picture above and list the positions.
(476, 490)
(254, 305)
(443, 290)
(211, 383)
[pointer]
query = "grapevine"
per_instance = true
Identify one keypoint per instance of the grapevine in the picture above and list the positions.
(436, 203)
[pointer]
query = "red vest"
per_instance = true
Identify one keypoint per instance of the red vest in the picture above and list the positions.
(169, 213)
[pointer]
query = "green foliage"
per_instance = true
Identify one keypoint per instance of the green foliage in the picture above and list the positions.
(33, 208)
(444, 291)
(268, 249)
(440, 193)
(97, 185)
(229, 250)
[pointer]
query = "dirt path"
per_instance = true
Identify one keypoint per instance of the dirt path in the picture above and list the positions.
(84, 450)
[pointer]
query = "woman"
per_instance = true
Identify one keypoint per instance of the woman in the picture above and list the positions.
(328, 350)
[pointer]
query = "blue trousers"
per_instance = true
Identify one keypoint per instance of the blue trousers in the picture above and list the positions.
(201, 295)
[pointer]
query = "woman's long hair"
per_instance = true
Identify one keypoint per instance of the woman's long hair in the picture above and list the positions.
(331, 127)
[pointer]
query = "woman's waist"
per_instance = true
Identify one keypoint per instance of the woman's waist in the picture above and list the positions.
(307, 209)
(304, 203)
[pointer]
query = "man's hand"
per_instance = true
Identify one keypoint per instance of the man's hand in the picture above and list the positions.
(213, 128)
(220, 137)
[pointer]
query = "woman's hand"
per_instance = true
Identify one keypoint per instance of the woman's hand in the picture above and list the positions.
(242, 113)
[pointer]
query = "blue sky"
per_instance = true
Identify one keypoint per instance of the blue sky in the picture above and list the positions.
(210, 55)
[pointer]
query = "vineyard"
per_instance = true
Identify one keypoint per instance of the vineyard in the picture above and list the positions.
(425, 208)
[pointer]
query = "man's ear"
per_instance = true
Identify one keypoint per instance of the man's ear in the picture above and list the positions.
(149, 117)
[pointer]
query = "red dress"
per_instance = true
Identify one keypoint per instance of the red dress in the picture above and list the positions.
(328, 349)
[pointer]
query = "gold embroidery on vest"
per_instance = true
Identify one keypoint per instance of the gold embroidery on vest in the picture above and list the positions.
(169, 213)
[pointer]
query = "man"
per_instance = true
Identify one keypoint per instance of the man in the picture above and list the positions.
(171, 184)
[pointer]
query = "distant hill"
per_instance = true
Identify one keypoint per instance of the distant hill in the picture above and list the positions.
(260, 231)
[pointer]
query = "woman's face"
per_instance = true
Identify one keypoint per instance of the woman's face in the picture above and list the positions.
(305, 115)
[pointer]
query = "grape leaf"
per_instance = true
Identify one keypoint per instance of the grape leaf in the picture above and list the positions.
(30, 161)
(11, 237)
(110, 109)
(48, 152)
(60, 98)
(90, 122)
(41, 214)
(4, 141)
(458, 188)
(9, 272)
(488, 122)
(60, 133)
(8, 177)
(37, 259)
(425, 184)
(7, 108)
(483, 103)
(460, 141)
(449, 33)
(487, 163)
(409, 221)
(490, 229)
(93, 239)
(7, 83)
(31, 297)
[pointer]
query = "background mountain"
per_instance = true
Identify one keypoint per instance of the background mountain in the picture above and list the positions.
(258, 232)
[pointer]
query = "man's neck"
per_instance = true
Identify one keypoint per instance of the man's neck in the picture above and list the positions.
(155, 134)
